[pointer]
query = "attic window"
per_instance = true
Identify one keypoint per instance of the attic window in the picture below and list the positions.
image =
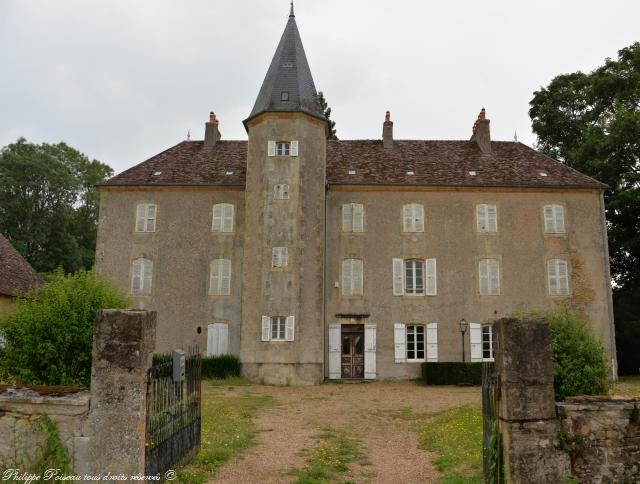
(352, 172)
(156, 173)
(472, 172)
(410, 172)
(229, 173)
(287, 64)
(284, 96)
(543, 173)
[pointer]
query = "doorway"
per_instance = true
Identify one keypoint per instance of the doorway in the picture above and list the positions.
(352, 351)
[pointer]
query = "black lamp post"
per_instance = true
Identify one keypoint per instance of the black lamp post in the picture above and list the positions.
(463, 330)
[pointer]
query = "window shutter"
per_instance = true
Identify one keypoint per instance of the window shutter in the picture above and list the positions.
(432, 287)
(418, 225)
(432, 342)
(211, 340)
(334, 351)
(358, 217)
(481, 218)
(136, 276)
(227, 217)
(271, 148)
(369, 351)
(294, 148)
(266, 328)
(475, 337)
(346, 277)
(398, 277)
(223, 338)
(147, 268)
(216, 225)
(407, 217)
(552, 275)
(347, 217)
(549, 226)
(563, 277)
(290, 328)
(483, 276)
(140, 217)
(492, 218)
(558, 212)
(151, 218)
(400, 342)
(494, 277)
(356, 277)
(225, 276)
(284, 256)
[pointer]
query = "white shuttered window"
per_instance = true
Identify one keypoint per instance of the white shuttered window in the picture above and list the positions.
(415, 277)
(220, 279)
(554, 219)
(415, 342)
(146, 217)
(352, 217)
(222, 217)
(141, 276)
(558, 277)
(489, 276)
(413, 217)
(352, 277)
(487, 218)
(279, 257)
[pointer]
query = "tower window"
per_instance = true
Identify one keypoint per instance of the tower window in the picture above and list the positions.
(283, 148)
(284, 96)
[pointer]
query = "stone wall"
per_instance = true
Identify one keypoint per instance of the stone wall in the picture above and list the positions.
(593, 439)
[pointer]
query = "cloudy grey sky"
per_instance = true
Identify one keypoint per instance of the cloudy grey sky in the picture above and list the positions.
(122, 80)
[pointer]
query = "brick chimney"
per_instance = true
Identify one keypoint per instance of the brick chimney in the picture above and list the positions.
(211, 133)
(387, 131)
(481, 133)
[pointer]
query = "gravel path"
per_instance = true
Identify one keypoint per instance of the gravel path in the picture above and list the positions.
(381, 415)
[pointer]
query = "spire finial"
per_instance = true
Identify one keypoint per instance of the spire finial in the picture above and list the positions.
(291, 14)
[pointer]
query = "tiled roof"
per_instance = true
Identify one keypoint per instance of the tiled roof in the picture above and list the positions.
(435, 163)
(16, 275)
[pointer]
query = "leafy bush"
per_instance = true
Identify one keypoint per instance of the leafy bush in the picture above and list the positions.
(50, 332)
(223, 366)
(452, 373)
(580, 366)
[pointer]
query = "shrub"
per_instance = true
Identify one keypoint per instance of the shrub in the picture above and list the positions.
(580, 364)
(223, 366)
(452, 373)
(50, 332)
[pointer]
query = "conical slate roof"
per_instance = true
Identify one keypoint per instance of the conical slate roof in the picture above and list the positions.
(288, 73)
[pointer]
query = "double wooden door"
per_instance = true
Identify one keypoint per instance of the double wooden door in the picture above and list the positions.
(352, 351)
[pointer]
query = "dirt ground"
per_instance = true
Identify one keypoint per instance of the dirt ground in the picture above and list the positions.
(382, 416)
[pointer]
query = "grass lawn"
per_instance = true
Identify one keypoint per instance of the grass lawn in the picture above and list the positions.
(628, 386)
(227, 427)
(456, 436)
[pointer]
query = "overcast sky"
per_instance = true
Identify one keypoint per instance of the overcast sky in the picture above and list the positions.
(124, 80)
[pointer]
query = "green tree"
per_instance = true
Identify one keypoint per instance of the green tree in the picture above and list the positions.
(591, 122)
(48, 337)
(48, 204)
(327, 112)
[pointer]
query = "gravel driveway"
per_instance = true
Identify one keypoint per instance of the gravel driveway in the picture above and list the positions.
(383, 416)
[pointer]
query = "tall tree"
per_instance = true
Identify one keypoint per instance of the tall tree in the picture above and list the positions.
(327, 112)
(48, 203)
(591, 122)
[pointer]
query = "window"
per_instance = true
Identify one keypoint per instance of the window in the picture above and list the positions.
(141, 276)
(279, 257)
(278, 328)
(486, 218)
(222, 217)
(217, 339)
(284, 96)
(146, 217)
(554, 219)
(415, 343)
(352, 277)
(281, 191)
(489, 277)
(413, 217)
(487, 342)
(352, 217)
(220, 278)
(410, 278)
(558, 277)
(282, 148)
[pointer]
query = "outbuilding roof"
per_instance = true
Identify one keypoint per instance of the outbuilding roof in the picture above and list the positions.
(16, 274)
(367, 162)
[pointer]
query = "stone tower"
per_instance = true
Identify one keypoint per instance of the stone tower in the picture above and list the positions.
(283, 277)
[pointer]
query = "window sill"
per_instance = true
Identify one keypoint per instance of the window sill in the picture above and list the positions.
(415, 361)
(219, 295)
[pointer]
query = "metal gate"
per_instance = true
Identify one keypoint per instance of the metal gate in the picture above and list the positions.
(491, 445)
(173, 415)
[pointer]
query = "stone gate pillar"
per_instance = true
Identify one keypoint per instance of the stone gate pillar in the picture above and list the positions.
(526, 402)
(123, 342)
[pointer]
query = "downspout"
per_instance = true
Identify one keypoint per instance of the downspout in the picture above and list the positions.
(324, 285)
(608, 291)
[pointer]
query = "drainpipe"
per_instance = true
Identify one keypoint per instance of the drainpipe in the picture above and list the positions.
(608, 291)
(324, 285)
